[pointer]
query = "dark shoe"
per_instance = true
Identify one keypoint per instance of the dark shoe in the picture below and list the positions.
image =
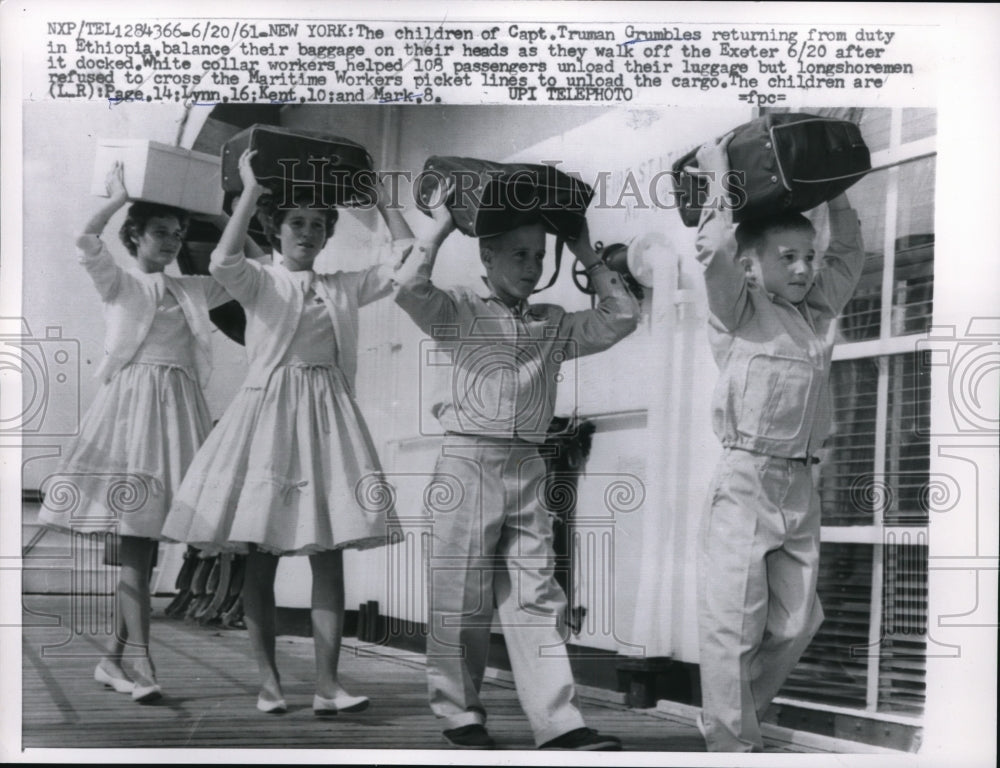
(474, 736)
(585, 739)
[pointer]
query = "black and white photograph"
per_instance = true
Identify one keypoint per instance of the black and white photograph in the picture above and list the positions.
(447, 383)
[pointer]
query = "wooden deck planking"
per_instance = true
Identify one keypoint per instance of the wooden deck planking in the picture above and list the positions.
(209, 681)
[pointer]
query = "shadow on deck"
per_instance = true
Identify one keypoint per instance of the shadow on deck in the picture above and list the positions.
(209, 682)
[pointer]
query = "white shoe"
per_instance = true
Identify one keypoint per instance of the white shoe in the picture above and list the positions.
(342, 703)
(120, 684)
(144, 694)
(269, 707)
(146, 688)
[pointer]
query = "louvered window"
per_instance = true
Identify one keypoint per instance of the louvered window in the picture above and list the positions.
(844, 483)
(873, 481)
(901, 685)
(828, 672)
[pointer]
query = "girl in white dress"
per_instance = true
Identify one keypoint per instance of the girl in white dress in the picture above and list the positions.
(291, 469)
(148, 418)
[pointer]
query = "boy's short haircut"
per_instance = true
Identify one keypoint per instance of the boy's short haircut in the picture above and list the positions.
(750, 234)
(270, 214)
(138, 216)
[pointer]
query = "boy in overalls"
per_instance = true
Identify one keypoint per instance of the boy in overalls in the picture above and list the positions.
(770, 331)
(496, 544)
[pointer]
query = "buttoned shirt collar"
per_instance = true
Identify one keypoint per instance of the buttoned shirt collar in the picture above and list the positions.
(520, 309)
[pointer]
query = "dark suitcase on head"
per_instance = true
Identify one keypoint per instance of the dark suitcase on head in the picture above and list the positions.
(340, 169)
(491, 198)
(790, 163)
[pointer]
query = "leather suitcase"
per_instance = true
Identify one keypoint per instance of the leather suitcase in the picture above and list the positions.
(491, 198)
(345, 178)
(790, 163)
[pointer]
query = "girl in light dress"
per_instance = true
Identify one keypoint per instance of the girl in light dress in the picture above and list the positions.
(148, 418)
(291, 469)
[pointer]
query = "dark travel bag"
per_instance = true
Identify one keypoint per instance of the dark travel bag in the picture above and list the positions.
(491, 198)
(783, 162)
(340, 169)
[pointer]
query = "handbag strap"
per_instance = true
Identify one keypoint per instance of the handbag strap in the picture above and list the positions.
(873, 169)
(827, 179)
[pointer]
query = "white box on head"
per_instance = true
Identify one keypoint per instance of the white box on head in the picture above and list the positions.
(159, 173)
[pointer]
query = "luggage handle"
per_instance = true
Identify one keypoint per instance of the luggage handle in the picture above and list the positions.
(681, 166)
(330, 159)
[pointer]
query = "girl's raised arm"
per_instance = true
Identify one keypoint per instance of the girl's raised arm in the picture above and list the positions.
(94, 257)
(234, 235)
(118, 196)
(250, 248)
(391, 214)
(228, 266)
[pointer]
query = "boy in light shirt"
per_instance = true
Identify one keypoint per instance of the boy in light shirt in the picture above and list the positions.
(496, 546)
(771, 317)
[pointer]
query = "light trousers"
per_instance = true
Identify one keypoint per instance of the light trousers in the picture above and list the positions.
(492, 545)
(758, 609)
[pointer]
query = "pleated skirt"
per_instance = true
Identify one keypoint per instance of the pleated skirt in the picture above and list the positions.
(290, 468)
(136, 442)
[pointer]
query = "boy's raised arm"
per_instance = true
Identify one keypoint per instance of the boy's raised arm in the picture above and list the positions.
(843, 261)
(425, 303)
(725, 278)
(614, 317)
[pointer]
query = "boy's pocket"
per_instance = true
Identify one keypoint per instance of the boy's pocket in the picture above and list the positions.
(775, 394)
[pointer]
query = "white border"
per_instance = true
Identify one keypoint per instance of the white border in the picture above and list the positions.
(960, 719)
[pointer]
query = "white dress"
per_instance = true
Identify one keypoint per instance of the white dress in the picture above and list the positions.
(290, 467)
(137, 439)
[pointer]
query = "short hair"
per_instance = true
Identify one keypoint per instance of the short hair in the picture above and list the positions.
(138, 216)
(751, 234)
(271, 214)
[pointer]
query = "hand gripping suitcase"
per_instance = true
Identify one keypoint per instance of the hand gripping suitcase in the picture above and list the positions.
(789, 163)
(491, 198)
(341, 170)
